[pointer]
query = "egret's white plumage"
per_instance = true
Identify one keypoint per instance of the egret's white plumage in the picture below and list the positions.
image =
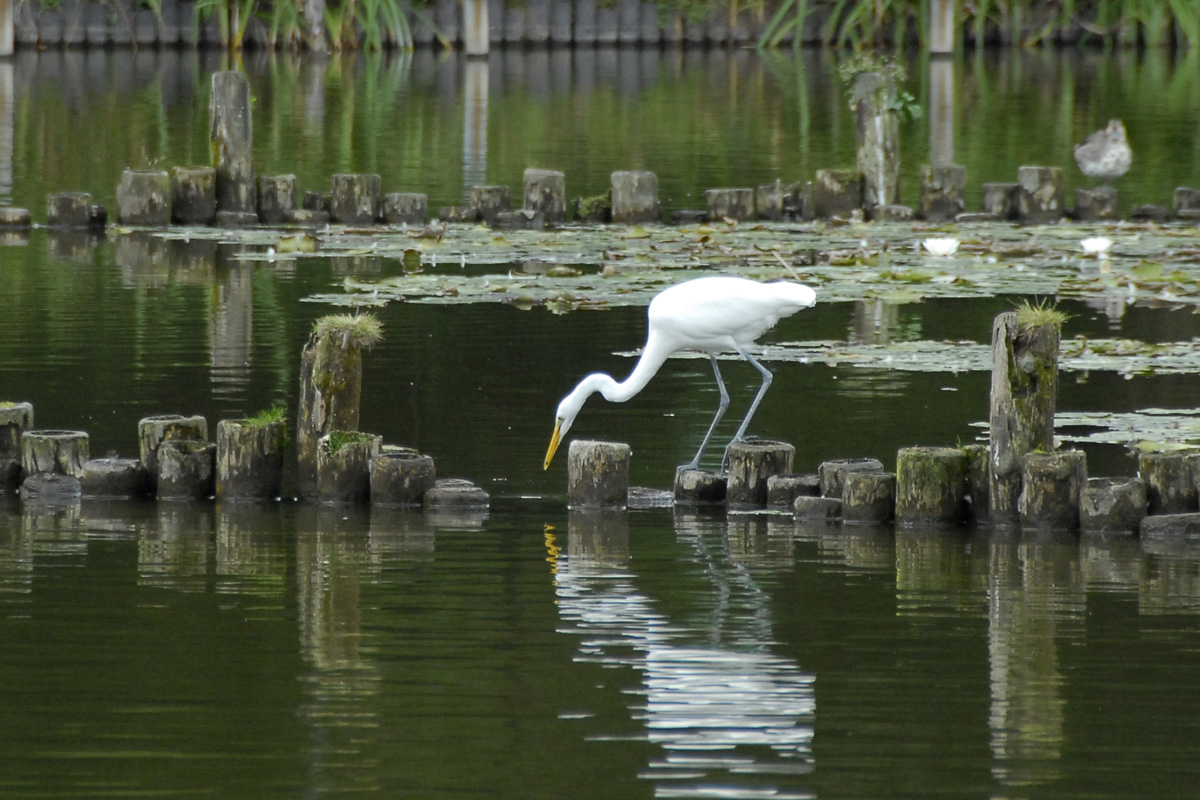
(710, 315)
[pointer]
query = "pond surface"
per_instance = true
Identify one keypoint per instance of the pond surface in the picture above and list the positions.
(286, 650)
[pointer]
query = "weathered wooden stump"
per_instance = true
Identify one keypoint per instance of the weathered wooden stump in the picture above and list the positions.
(1023, 394)
(770, 199)
(978, 482)
(54, 451)
(1039, 194)
(193, 195)
(837, 192)
(931, 486)
(250, 459)
(1000, 200)
(186, 469)
(51, 488)
(832, 474)
(15, 419)
(751, 464)
(597, 209)
(699, 487)
(943, 191)
(114, 478)
(1094, 204)
(450, 494)
(817, 509)
(1112, 505)
(635, 197)
(405, 208)
(401, 477)
(877, 131)
(144, 198)
(735, 204)
(344, 466)
(330, 387)
(1170, 481)
(1051, 485)
(315, 201)
(355, 199)
(15, 219)
(1186, 202)
(598, 474)
(798, 202)
(1171, 526)
(232, 141)
(488, 202)
(153, 431)
(869, 497)
(546, 192)
(782, 490)
(69, 210)
(276, 198)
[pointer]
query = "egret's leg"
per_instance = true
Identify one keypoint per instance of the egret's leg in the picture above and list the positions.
(741, 432)
(695, 462)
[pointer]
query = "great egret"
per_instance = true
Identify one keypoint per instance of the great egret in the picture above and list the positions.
(1106, 153)
(710, 315)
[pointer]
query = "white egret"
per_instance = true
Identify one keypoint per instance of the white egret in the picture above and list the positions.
(710, 315)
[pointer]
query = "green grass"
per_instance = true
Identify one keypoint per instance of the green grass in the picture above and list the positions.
(267, 416)
(362, 330)
(1039, 314)
(339, 439)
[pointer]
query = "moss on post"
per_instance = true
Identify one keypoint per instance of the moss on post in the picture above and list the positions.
(931, 486)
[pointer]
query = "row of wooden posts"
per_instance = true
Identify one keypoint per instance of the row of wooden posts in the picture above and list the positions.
(1018, 479)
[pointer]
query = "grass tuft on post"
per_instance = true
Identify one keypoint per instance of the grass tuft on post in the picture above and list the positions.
(358, 330)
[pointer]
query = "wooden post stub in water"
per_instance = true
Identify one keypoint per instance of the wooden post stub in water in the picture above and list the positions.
(1186, 202)
(943, 191)
(1051, 484)
(931, 486)
(1039, 194)
(15, 219)
(51, 488)
(1000, 200)
(833, 473)
(231, 139)
(699, 487)
(405, 208)
(869, 497)
(144, 197)
(782, 490)
(770, 200)
(153, 431)
(1095, 204)
(401, 477)
(1170, 481)
(64, 452)
(193, 195)
(978, 482)
(344, 466)
(878, 128)
(15, 419)
(1021, 419)
(355, 198)
(837, 192)
(489, 201)
(250, 460)
(449, 494)
(817, 509)
(186, 469)
(276, 198)
(69, 210)
(736, 203)
(546, 193)
(1112, 505)
(751, 463)
(635, 197)
(114, 478)
(598, 474)
(476, 33)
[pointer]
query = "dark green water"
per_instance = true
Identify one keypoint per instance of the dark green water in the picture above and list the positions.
(284, 650)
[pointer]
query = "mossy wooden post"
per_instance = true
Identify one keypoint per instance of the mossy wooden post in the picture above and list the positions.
(977, 483)
(635, 197)
(186, 469)
(64, 452)
(153, 431)
(1051, 484)
(1112, 505)
(250, 459)
(832, 474)
(751, 464)
(276, 198)
(488, 202)
(1170, 481)
(69, 210)
(193, 195)
(15, 419)
(931, 486)
(1039, 194)
(782, 490)
(1023, 394)
(699, 487)
(878, 129)
(232, 141)
(732, 203)
(546, 192)
(869, 497)
(144, 197)
(344, 466)
(400, 477)
(598, 474)
(115, 478)
(330, 387)
(837, 192)
(355, 198)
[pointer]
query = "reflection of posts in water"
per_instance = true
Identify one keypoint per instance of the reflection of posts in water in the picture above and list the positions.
(231, 326)
(475, 118)
(7, 112)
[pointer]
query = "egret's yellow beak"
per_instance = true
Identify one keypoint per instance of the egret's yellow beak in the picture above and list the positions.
(553, 444)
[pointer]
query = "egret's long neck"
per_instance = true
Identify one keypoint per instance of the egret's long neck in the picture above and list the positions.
(610, 389)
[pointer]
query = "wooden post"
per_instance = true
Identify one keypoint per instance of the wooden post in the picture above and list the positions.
(782, 490)
(64, 452)
(837, 192)
(355, 199)
(1040, 194)
(118, 478)
(942, 28)
(250, 460)
(144, 198)
(405, 208)
(736, 204)
(455, 494)
(1096, 204)
(751, 465)
(186, 469)
(931, 486)
(1051, 484)
(699, 487)
(153, 431)
(15, 419)
(8, 10)
(193, 195)
(276, 198)
(832, 474)
(232, 141)
(401, 477)
(476, 38)
(878, 128)
(546, 193)
(869, 497)
(943, 192)
(1170, 480)
(598, 474)
(1023, 394)
(1112, 505)
(344, 466)
(69, 210)
(635, 197)
(489, 202)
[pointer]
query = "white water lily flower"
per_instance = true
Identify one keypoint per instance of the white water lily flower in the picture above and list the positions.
(940, 246)
(1096, 245)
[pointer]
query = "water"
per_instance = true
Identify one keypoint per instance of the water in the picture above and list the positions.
(285, 650)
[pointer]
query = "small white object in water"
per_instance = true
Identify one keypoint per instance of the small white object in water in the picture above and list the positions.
(1096, 245)
(940, 246)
